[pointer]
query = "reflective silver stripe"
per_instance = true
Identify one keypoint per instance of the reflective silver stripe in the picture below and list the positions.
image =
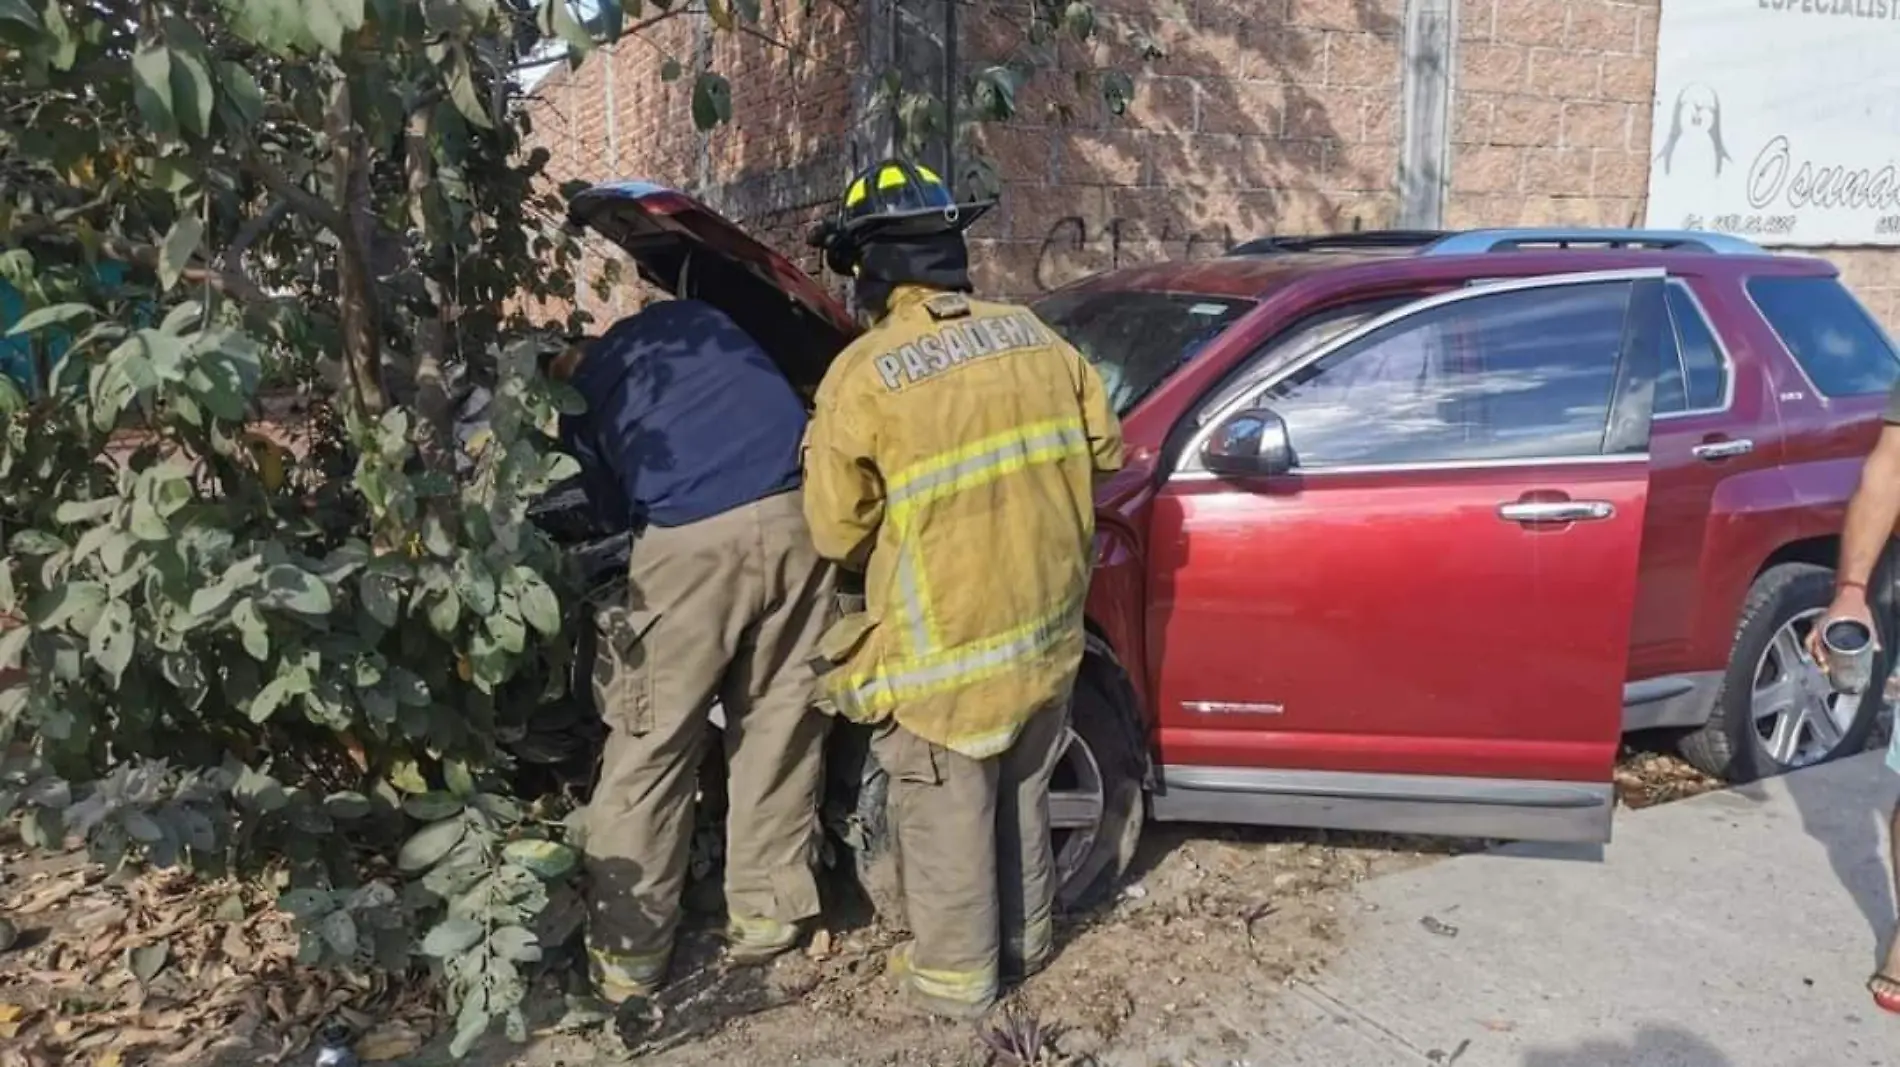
(979, 661)
(913, 600)
(1066, 437)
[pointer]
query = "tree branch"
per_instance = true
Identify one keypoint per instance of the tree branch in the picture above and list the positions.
(433, 403)
(286, 189)
(254, 228)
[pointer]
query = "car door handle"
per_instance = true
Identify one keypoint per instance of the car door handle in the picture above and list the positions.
(1741, 446)
(1552, 511)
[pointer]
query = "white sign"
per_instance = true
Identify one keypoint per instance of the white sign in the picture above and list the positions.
(1778, 120)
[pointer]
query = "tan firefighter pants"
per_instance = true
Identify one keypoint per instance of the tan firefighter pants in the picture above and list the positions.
(728, 608)
(974, 858)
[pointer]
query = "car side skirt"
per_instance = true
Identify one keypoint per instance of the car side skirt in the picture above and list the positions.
(1500, 808)
(1670, 700)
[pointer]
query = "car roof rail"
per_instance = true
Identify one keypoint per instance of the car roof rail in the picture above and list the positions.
(1475, 242)
(1357, 240)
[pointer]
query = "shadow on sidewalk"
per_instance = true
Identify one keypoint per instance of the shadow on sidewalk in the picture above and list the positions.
(1654, 1046)
(1850, 820)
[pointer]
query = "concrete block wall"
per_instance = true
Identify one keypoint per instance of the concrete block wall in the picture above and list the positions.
(1262, 116)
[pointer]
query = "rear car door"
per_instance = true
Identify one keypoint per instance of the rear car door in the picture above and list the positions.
(1421, 621)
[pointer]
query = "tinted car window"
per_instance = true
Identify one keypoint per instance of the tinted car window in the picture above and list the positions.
(1691, 374)
(1137, 339)
(1524, 373)
(1827, 331)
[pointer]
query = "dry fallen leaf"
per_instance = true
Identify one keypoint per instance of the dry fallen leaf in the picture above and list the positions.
(391, 1041)
(12, 1017)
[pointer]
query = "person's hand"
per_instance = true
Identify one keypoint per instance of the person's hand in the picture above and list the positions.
(1850, 602)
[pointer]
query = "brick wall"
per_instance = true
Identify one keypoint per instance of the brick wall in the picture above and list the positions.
(774, 166)
(1263, 116)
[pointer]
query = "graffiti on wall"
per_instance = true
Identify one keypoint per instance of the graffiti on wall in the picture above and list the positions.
(1072, 250)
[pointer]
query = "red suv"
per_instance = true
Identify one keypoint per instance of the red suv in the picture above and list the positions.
(1415, 526)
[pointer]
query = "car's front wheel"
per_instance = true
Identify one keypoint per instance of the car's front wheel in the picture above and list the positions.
(1776, 711)
(1095, 797)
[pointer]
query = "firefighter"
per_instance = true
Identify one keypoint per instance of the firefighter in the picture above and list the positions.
(951, 461)
(691, 439)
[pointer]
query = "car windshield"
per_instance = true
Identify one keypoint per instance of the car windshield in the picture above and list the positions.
(1137, 339)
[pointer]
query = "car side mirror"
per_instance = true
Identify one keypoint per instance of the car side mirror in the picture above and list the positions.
(1252, 442)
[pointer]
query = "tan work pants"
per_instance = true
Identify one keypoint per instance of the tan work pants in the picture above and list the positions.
(730, 607)
(974, 857)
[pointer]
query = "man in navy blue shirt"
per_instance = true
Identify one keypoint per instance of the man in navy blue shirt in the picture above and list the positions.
(691, 438)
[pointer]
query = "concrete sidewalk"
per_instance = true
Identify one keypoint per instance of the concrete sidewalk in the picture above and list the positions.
(1732, 930)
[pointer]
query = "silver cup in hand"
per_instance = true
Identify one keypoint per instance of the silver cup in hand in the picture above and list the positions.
(1849, 645)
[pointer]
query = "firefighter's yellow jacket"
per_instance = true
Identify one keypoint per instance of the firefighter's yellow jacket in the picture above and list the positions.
(952, 459)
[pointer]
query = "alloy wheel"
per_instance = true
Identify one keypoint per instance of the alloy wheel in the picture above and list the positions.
(1799, 718)
(1076, 801)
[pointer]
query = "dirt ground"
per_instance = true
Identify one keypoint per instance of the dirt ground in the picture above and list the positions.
(154, 969)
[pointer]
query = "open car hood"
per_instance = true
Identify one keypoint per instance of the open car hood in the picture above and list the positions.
(781, 307)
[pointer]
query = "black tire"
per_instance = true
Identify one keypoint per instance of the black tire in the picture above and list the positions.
(1728, 746)
(1106, 722)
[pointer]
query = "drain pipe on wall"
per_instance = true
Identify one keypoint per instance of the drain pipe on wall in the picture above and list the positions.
(1427, 58)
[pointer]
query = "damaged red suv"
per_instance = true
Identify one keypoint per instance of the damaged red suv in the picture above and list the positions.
(1416, 526)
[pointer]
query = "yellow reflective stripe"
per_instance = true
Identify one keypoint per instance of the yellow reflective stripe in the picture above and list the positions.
(959, 987)
(967, 664)
(892, 178)
(986, 459)
(856, 194)
(928, 174)
(628, 970)
(760, 932)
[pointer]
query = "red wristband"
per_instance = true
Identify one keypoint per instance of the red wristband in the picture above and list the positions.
(1838, 586)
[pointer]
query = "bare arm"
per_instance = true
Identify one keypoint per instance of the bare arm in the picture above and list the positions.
(1871, 514)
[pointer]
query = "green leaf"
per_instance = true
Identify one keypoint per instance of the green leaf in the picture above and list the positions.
(670, 70)
(347, 806)
(152, 88)
(193, 96)
(432, 807)
(294, 589)
(456, 776)
(13, 646)
(445, 613)
(73, 599)
(720, 12)
(475, 585)
(515, 943)
(429, 845)
(306, 904)
(38, 542)
(112, 640)
(51, 315)
(338, 930)
(557, 20)
(451, 937)
(549, 860)
(712, 100)
(269, 699)
(1079, 19)
(242, 90)
(180, 245)
(146, 524)
(21, 12)
(73, 512)
(463, 92)
(381, 594)
(331, 19)
(145, 962)
(252, 630)
(508, 633)
(539, 606)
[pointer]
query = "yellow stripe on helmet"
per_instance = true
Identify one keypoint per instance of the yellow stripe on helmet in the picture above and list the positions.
(856, 194)
(892, 178)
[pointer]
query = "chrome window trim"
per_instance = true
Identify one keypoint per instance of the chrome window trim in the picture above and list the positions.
(1800, 368)
(1192, 452)
(1721, 350)
(1442, 465)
